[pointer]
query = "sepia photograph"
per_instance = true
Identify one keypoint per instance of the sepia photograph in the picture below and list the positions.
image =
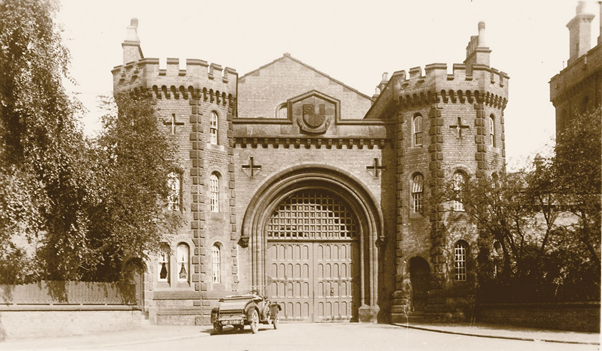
(300, 175)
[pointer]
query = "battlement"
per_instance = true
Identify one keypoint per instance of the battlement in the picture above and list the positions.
(196, 69)
(434, 84)
(472, 77)
(438, 73)
(198, 74)
(139, 72)
(569, 80)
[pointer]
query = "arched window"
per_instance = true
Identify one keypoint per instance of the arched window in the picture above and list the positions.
(492, 130)
(460, 254)
(163, 264)
(458, 182)
(175, 189)
(214, 192)
(213, 128)
(282, 111)
(417, 129)
(216, 263)
(417, 192)
(183, 253)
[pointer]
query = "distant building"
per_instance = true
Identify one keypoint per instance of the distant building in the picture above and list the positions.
(308, 191)
(578, 87)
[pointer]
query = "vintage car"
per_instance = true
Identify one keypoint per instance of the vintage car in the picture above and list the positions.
(240, 310)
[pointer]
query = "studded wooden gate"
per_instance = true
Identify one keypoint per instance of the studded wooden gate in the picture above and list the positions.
(313, 257)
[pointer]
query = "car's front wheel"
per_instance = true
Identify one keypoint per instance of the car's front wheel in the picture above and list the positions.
(217, 327)
(253, 317)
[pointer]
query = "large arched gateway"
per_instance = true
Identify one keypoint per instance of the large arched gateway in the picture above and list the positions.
(312, 257)
(313, 232)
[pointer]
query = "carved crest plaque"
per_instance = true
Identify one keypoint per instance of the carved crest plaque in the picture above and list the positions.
(314, 114)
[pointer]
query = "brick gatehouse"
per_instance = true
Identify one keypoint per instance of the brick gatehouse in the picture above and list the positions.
(304, 189)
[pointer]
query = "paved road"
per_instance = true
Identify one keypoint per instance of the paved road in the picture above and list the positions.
(290, 336)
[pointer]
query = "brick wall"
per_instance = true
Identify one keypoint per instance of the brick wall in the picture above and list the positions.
(52, 321)
(578, 317)
(274, 159)
(264, 89)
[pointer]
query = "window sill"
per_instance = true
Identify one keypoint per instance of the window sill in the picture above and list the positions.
(216, 147)
(183, 285)
(162, 285)
(216, 215)
(218, 287)
(416, 215)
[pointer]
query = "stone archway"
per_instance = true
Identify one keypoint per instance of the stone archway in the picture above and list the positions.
(336, 184)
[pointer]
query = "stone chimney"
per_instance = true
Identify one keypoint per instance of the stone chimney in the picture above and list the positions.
(580, 31)
(383, 82)
(477, 51)
(131, 45)
(376, 94)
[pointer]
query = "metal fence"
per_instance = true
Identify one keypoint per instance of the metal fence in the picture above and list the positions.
(71, 293)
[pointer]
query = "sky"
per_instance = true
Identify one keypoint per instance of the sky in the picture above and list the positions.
(352, 41)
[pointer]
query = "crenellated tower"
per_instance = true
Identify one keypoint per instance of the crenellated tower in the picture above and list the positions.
(448, 125)
(577, 89)
(197, 105)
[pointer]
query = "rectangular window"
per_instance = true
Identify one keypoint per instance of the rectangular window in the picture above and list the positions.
(458, 180)
(182, 258)
(417, 202)
(214, 188)
(417, 193)
(418, 138)
(458, 206)
(173, 199)
(213, 128)
(460, 262)
(417, 126)
(491, 131)
(163, 267)
(216, 264)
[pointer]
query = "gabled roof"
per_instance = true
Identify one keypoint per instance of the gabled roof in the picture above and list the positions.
(287, 55)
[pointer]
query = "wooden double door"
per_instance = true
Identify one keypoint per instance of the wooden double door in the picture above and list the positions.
(314, 281)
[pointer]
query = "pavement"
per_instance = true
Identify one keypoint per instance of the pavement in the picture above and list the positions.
(508, 333)
(159, 334)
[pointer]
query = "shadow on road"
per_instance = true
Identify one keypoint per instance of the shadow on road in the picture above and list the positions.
(231, 330)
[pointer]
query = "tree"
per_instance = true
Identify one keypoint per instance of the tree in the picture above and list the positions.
(496, 203)
(71, 208)
(41, 140)
(33, 62)
(541, 224)
(577, 167)
(133, 158)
